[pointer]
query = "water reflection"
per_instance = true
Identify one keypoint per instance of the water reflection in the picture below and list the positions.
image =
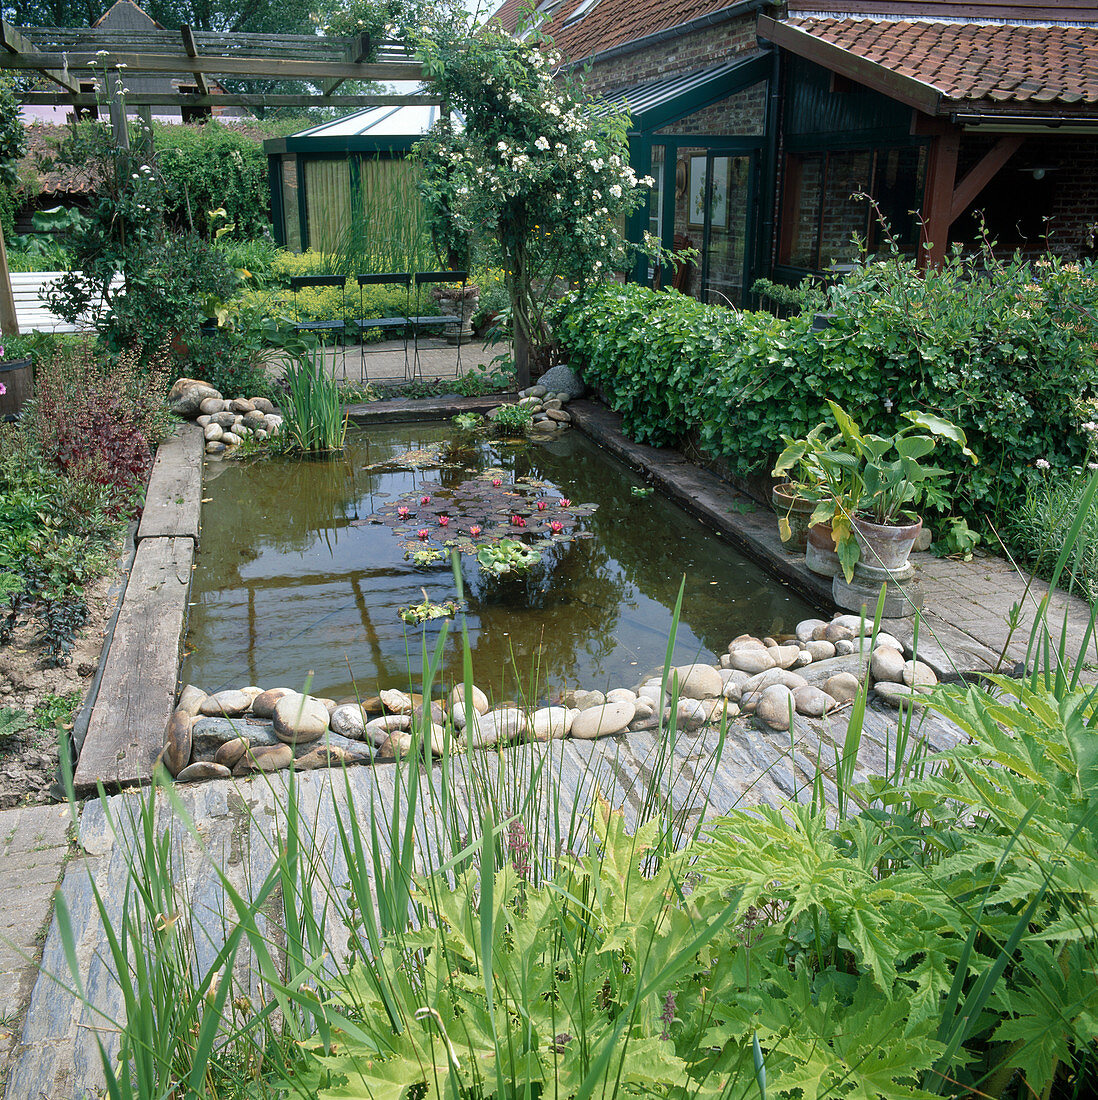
(286, 584)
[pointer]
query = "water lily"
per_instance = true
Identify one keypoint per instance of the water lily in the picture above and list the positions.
(425, 500)
(402, 511)
(474, 530)
(496, 482)
(443, 521)
(556, 526)
(423, 533)
(518, 521)
(564, 502)
(542, 505)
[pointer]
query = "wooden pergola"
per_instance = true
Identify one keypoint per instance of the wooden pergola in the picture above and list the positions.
(70, 56)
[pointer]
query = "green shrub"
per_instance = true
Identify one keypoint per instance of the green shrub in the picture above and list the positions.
(1007, 354)
(1038, 529)
(211, 167)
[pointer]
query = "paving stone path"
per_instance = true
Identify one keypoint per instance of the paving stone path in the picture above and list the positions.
(241, 823)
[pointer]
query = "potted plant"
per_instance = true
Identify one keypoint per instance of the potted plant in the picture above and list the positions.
(794, 499)
(872, 484)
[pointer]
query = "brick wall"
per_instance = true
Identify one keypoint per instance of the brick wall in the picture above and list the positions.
(685, 54)
(743, 114)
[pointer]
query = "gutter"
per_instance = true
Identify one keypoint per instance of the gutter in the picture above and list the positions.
(713, 19)
(1018, 123)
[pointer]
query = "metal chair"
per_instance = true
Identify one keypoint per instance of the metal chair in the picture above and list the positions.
(300, 282)
(418, 322)
(401, 321)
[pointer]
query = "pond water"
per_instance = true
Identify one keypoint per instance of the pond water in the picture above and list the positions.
(293, 577)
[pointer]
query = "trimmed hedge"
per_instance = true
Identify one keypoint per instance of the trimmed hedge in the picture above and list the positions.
(1007, 354)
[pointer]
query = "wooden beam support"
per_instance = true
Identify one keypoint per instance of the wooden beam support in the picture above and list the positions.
(245, 99)
(191, 50)
(982, 173)
(941, 175)
(15, 42)
(273, 68)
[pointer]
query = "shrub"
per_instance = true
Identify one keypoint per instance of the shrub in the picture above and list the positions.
(55, 536)
(1038, 529)
(1006, 353)
(102, 421)
(212, 167)
(231, 362)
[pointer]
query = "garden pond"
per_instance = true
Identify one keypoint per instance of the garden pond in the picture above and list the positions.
(305, 565)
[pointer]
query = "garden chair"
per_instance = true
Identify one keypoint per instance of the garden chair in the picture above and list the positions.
(418, 322)
(335, 327)
(401, 321)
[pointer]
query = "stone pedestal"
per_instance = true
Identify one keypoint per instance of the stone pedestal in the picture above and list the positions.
(904, 595)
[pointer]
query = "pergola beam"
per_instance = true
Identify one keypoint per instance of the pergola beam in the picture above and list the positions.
(233, 99)
(191, 50)
(15, 42)
(271, 68)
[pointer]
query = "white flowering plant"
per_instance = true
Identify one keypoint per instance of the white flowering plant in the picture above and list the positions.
(533, 175)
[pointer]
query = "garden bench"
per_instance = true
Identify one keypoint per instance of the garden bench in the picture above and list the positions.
(31, 311)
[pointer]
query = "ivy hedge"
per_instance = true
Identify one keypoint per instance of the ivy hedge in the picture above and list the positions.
(1005, 350)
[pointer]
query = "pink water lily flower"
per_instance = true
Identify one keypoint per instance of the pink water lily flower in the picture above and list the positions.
(518, 521)
(474, 530)
(497, 482)
(424, 533)
(564, 502)
(542, 505)
(443, 520)
(402, 511)
(556, 526)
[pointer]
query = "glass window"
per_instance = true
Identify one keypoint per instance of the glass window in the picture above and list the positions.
(291, 224)
(826, 205)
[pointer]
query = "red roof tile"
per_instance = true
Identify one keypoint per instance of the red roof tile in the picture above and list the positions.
(609, 23)
(965, 62)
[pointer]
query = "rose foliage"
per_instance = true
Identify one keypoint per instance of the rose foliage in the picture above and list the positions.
(532, 174)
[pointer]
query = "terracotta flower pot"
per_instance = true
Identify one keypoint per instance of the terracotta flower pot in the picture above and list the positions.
(820, 555)
(885, 546)
(795, 509)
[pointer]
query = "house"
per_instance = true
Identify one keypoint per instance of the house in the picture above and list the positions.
(778, 132)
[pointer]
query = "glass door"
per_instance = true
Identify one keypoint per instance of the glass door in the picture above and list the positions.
(723, 200)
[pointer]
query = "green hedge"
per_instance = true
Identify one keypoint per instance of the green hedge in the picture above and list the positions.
(213, 167)
(1008, 353)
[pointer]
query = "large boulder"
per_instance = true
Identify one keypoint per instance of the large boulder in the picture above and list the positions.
(186, 396)
(562, 379)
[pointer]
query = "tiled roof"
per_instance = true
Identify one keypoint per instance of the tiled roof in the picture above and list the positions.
(998, 64)
(42, 142)
(609, 23)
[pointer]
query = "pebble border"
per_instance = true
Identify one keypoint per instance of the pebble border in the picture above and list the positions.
(815, 671)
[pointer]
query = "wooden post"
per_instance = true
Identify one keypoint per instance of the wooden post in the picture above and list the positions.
(941, 176)
(9, 323)
(119, 125)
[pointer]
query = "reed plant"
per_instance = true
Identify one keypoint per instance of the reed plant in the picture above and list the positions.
(389, 231)
(312, 410)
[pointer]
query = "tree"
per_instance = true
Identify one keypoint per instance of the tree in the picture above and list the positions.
(533, 174)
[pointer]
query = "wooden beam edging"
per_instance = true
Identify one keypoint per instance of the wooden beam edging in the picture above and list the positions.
(173, 497)
(139, 670)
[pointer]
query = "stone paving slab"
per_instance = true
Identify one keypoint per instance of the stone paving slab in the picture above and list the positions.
(173, 498)
(241, 823)
(34, 844)
(963, 630)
